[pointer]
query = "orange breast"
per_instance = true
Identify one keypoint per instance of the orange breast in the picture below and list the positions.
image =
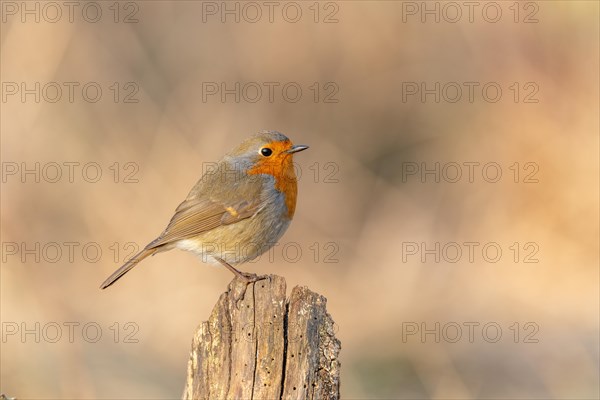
(281, 167)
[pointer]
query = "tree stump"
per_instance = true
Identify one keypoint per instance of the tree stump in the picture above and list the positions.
(264, 346)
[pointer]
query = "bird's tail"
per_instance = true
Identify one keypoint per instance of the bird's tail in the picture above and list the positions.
(133, 261)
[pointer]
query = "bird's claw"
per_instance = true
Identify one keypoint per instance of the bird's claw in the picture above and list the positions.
(238, 291)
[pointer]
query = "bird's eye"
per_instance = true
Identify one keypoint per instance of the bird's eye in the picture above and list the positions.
(265, 151)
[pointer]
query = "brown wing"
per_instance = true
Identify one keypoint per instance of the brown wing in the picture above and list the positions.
(193, 217)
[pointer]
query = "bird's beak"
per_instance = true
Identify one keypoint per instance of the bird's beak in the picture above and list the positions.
(296, 148)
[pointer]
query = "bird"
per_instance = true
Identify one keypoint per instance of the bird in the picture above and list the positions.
(236, 211)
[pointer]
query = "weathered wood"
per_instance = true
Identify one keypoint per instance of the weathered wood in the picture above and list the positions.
(264, 346)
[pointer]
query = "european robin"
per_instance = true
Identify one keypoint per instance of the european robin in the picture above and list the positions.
(235, 212)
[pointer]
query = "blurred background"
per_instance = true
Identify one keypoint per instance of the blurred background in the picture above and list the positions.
(448, 205)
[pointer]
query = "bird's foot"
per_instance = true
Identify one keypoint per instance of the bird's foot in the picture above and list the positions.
(240, 284)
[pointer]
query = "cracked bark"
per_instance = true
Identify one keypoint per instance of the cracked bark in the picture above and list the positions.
(265, 346)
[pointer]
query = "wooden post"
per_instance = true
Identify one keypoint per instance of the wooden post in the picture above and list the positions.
(264, 346)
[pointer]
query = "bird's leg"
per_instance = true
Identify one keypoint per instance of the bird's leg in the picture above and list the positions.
(246, 277)
(243, 276)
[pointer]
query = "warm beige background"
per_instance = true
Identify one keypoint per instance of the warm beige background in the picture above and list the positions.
(369, 212)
